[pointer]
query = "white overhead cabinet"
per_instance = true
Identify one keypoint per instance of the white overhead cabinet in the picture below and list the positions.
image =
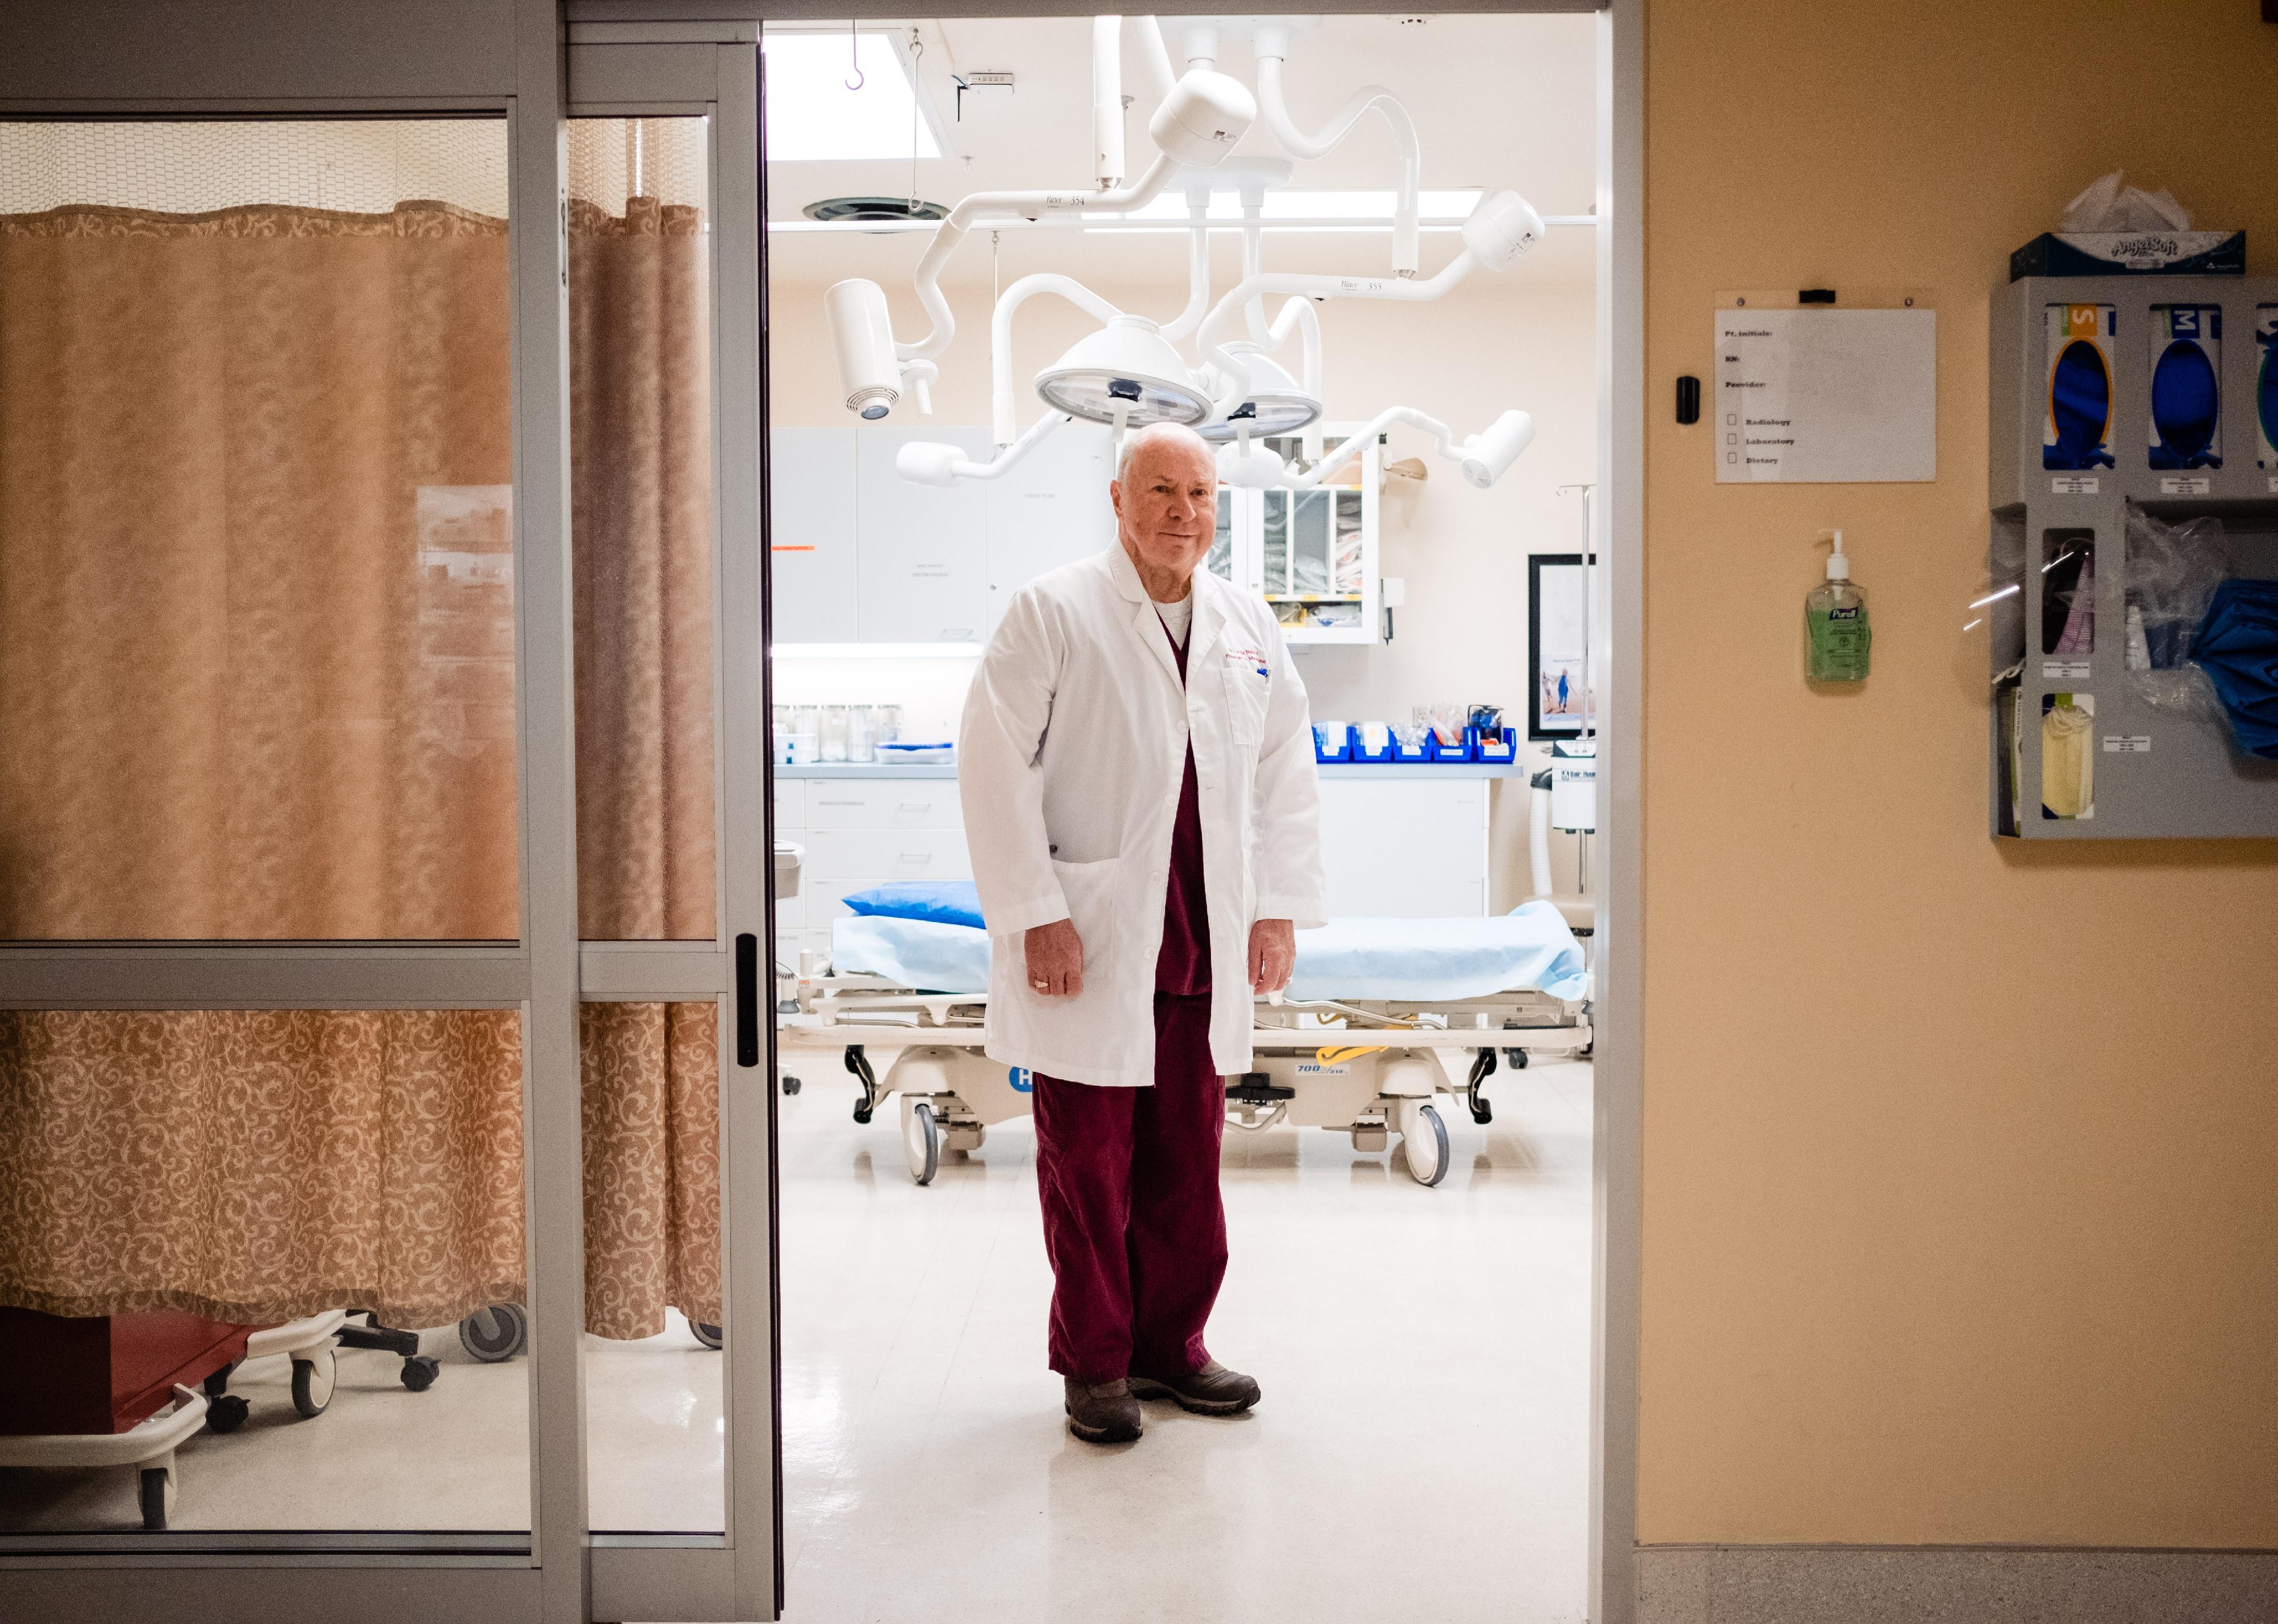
(1313, 555)
(862, 555)
(1051, 508)
(919, 574)
(811, 534)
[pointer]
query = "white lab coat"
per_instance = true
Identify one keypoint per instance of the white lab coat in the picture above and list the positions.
(1070, 757)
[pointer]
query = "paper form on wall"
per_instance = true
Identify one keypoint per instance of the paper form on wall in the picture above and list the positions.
(1818, 396)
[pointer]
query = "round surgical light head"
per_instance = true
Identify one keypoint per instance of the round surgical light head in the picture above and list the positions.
(865, 341)
(1502, 227)
(1487, 456)
(1127, 371)
(1202, 117)
(1275, 403)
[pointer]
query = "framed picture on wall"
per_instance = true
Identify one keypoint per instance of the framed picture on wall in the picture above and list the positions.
(1557, 616)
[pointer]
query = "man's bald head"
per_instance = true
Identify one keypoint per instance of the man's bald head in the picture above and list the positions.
(1166, 497)
(1140, 441)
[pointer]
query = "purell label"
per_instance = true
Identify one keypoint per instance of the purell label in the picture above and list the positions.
(1851, 614)
(2064, 671)
(2076, 484)
(2197, 486)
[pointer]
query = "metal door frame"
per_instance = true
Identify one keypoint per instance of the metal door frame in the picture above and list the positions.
(147, 59)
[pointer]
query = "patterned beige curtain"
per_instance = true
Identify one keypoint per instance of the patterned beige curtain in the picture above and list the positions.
(254, 1166)
(256, 613)
(254, 604)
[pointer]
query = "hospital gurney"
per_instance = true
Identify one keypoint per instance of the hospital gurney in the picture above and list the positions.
(1381, 1017)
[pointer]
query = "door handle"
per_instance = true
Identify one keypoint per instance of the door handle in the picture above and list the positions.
(747, 999)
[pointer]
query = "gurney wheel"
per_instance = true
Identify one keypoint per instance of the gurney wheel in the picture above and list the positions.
(1515, 1058)
(420, 1371)
(495, 1333)
(226, 1413)
(313, 1379)
(708, 1335)
(1425, 1147)
(921, 1143)
(790, 1084)
(157, 1492)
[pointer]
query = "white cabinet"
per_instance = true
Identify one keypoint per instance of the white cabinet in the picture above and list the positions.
(1051, 508)
(920, 576)
(811, 533)
(1405, 846)
(1315, 554)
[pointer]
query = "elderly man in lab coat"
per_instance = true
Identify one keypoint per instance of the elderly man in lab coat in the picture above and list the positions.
(1137, 766)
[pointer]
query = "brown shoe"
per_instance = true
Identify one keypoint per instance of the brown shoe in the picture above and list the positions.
(1212, 1391)
(1103, 1412)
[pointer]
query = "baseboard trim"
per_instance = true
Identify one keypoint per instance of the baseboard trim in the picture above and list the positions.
(1952, 1584)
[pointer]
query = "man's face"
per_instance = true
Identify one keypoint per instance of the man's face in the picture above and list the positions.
(1167, 504)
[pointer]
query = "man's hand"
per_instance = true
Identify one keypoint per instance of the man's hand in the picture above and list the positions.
(1056, 959)
(1272, 954)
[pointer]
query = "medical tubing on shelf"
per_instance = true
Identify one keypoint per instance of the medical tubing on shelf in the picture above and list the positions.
(1017, 205)
(1002, 410)
(1310, 285)
(1405, 229)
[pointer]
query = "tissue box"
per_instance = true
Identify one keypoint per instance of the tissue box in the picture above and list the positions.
(2123, 254)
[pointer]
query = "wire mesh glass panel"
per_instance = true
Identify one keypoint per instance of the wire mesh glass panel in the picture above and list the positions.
(238, 1252)
(256, 615)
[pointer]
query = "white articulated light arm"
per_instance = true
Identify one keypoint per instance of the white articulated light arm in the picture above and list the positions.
(1271, 45)
(1300, 313)
(1310, 285)
(1012, 205)
(928, 462)
(1154, 54)
(1484, 457)
(1107, 99)
(1002, 408)
(1197, 271)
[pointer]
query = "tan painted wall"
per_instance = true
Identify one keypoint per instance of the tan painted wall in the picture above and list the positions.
(1960, 1160)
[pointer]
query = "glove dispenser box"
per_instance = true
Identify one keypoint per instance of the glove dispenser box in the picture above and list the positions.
(2161, 391)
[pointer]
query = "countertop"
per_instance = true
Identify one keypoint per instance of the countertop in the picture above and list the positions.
(1328, 769)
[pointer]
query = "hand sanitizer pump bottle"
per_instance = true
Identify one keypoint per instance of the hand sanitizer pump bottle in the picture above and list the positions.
(1835, 622)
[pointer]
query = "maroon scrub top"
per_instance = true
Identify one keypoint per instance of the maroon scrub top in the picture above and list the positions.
(1183, 966)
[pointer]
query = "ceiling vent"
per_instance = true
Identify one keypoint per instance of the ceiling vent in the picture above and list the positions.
(883, 211)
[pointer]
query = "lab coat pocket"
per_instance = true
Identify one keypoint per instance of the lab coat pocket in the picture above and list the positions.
(1089, 889)
(1245, 702)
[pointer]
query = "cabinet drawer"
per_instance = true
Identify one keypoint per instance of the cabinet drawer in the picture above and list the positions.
(883, 803)
(888, 854)
(791, 911)
(791, 804)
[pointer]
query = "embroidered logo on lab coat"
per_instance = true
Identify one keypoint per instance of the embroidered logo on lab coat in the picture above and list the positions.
(1254, 659)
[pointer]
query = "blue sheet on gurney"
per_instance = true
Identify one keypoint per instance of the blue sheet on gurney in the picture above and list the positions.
(1399, 958)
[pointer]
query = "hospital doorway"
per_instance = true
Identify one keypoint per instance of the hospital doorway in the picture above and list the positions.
(1407, 1166)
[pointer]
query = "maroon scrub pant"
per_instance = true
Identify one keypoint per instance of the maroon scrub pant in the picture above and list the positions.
(1133, 1222)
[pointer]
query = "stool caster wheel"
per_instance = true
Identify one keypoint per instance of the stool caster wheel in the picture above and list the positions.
(226, 1413)
(158, 1495)
(420, 1371)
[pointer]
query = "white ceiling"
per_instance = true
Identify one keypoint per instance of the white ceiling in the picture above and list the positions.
(1498, 100)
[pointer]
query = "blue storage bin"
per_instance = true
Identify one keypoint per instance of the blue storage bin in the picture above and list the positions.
(1452, 752)
(1421, 752)
(1361, 752)
(1506, 749)
(1341, 751)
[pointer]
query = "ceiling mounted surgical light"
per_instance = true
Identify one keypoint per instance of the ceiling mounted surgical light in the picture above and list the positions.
(1276, 403)
(1127, 374)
